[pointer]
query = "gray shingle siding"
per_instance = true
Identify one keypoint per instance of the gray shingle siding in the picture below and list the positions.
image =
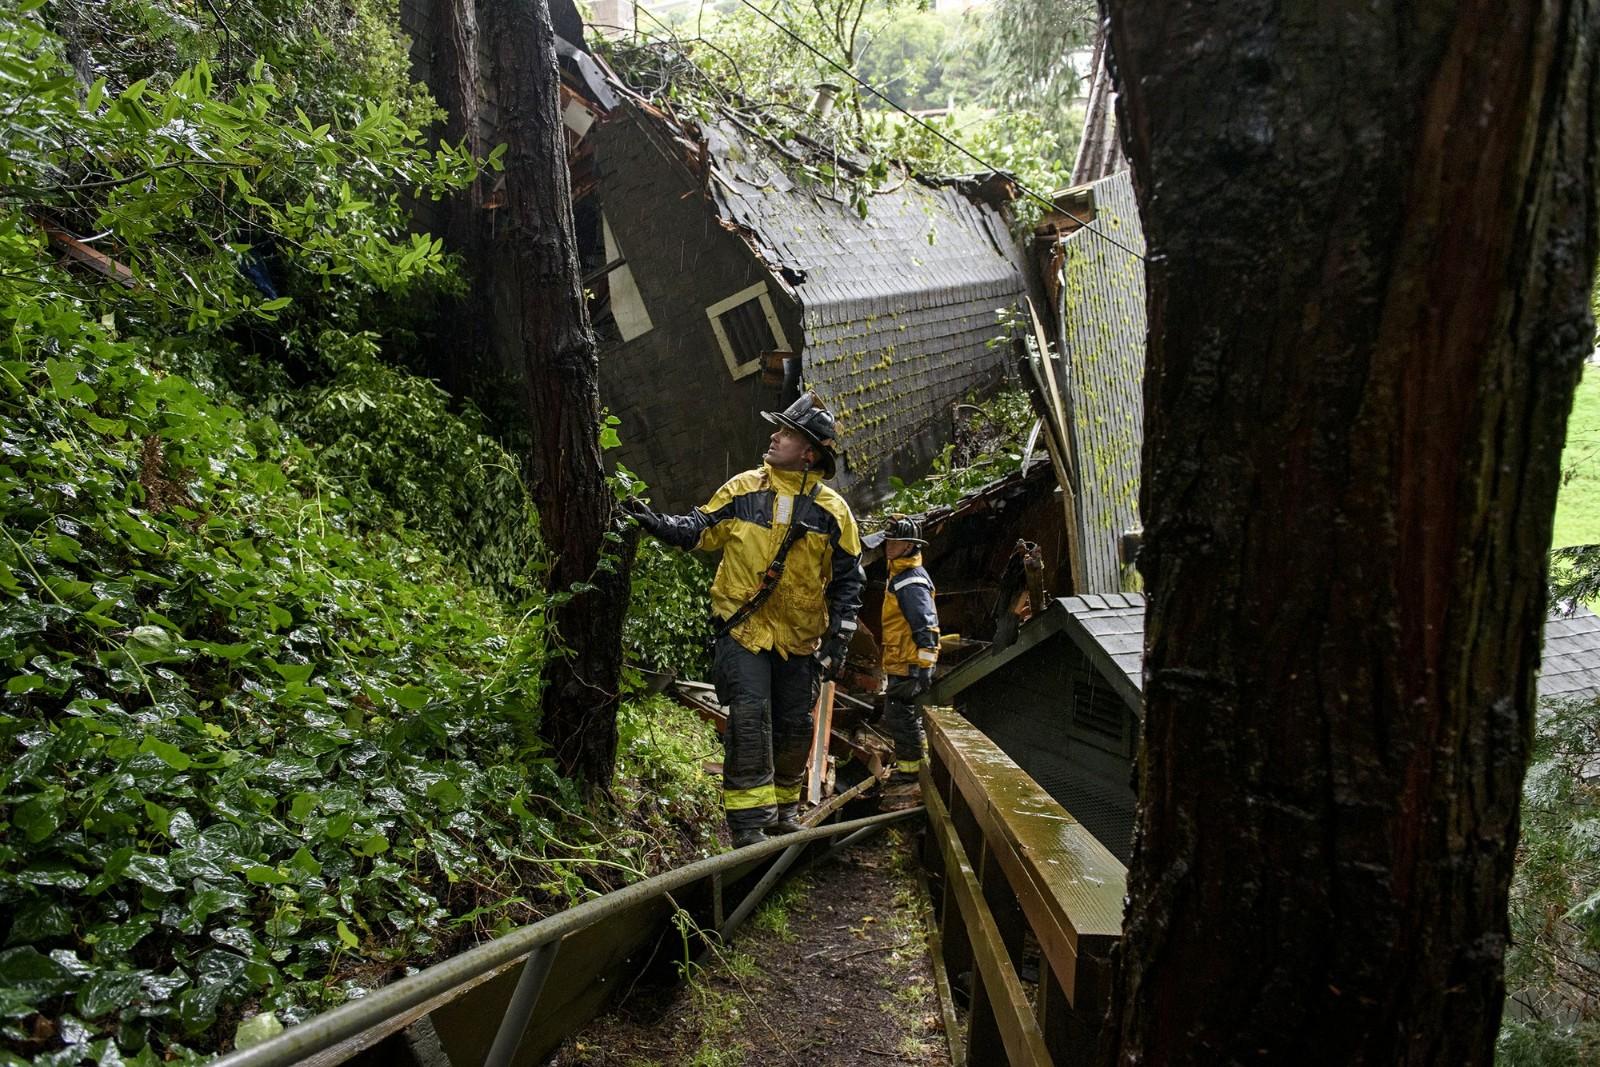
(686, 424)
(896, 328)
(1103, 327)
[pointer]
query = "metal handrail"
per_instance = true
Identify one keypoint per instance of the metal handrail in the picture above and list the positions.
(328, 1029)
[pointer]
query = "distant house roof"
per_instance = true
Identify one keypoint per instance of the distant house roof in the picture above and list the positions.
(1109, 630)
(1570, 667)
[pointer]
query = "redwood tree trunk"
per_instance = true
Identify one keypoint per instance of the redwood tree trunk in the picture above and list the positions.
(461, 338)
(541, 331)
(1372, 230)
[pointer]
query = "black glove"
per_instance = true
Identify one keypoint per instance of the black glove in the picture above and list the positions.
(923, 676)
(832, 656)
(644, 515)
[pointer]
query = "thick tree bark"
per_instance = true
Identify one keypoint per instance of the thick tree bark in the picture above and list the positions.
(456, 354)
(454, 81)
(540, 328)
(1372, 230)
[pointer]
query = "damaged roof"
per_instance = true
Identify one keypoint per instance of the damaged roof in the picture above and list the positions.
(898, 306)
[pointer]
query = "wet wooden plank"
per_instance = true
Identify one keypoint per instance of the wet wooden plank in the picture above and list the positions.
(822, 731)
(1070, 887)
(941, 980)
(1002, 989)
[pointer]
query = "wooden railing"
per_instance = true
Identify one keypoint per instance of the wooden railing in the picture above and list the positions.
(1005, 860)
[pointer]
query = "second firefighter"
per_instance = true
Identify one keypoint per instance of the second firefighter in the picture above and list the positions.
(910, 635)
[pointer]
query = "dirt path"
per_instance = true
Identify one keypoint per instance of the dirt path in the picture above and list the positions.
(832, 972)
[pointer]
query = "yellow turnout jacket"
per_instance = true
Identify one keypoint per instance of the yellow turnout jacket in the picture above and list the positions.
(746, 519)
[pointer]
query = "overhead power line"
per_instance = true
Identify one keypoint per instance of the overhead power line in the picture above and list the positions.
(963, 149)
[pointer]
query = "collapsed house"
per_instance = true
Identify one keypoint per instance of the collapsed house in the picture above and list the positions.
(725, 281)
(729, 267)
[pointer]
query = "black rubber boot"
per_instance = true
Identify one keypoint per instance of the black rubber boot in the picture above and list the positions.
(749, 835)
(787, 825)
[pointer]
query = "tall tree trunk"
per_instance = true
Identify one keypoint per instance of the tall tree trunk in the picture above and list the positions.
(540, 327)
(458, 348)
(453, 28)
(1372, 230)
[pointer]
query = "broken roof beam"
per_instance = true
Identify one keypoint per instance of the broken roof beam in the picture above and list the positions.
(80, 252)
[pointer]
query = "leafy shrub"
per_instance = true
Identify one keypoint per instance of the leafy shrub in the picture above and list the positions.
(670, 610)
(1553, 967)
(661, 783)
(989, 446)
(396, 439)
(245, 734)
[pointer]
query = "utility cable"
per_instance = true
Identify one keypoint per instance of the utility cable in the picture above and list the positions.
(985, 164)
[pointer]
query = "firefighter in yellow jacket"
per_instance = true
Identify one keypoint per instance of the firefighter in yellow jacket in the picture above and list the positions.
(784, 605)
(910, 637)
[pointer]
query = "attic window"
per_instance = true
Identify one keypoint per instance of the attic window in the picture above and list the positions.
(746, 327)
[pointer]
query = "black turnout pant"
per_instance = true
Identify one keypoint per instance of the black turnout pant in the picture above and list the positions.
(904, 721)
(769, 700)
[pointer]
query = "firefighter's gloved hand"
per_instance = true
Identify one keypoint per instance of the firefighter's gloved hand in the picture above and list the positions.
(644, 515)
(832, 656)
(923, 676)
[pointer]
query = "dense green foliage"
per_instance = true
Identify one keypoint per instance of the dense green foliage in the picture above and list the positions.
(269, 606)
(669, 616)
(1028, 51)
(1553, 968)
(731, 58)
(923, 60)
(989, 445)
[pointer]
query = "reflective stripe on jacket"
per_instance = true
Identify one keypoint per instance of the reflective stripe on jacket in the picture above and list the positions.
(910, 620)
(820, 591)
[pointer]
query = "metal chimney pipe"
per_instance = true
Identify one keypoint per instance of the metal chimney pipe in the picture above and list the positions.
(822, 102)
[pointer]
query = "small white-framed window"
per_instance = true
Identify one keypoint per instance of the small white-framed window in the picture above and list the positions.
(746, 327)
(627, 306)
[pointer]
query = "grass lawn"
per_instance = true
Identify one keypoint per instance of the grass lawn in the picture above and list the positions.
(1578, 504)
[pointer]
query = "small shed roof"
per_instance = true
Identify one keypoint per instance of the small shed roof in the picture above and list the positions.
(1109, 629)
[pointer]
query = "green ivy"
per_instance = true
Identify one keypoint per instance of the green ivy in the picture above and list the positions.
(436, 470)
(269, 618)
(990, 448)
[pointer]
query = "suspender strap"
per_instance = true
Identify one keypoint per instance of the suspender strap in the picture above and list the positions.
(774, 572)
